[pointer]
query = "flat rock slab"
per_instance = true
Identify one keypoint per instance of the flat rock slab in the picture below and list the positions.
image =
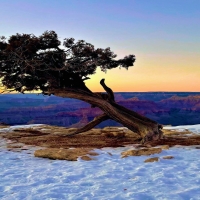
(66, 154)
(141, 152)
(168, 157)
(155, 159)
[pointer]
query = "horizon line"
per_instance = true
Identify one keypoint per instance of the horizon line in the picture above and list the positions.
(116, 92)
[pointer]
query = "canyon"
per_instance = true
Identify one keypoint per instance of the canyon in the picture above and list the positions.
(167, 108)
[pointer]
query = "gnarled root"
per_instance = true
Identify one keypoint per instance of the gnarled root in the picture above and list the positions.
(154, 135)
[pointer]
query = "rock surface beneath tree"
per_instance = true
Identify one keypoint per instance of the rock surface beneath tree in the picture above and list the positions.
(52, 141)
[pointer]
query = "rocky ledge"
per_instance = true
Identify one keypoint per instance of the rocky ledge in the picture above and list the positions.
(53, 142)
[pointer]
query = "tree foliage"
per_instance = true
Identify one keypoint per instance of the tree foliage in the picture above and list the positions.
(28, 62)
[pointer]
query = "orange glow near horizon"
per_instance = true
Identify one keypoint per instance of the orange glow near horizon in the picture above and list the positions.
(169, 73)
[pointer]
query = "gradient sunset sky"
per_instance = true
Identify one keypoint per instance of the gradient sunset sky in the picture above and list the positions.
(163, 35)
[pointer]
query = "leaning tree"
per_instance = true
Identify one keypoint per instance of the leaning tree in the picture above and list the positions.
(30, 63)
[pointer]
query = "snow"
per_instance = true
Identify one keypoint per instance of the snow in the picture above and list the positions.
(25, 177)
(11, 128)
(193, 128)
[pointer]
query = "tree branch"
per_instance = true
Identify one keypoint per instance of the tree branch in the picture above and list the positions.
(97, 120)
(108, 90)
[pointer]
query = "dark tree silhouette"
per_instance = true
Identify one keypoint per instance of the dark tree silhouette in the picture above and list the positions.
(30, 63)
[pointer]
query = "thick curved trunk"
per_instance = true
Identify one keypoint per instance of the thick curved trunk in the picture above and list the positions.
(145, 127)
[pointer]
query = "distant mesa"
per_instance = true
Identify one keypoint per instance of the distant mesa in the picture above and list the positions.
(133, 99)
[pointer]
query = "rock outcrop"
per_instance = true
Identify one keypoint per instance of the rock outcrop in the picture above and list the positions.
(66, 154)
(141, 152)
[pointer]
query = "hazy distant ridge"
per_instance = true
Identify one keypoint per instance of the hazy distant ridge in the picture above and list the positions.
(165, 107)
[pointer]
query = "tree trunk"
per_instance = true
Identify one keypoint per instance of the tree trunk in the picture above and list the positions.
(145, 127)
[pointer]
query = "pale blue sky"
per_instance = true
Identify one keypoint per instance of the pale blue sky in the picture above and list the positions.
(164, 35)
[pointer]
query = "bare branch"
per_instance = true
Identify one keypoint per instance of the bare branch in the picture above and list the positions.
(108, 90)
(90, 125)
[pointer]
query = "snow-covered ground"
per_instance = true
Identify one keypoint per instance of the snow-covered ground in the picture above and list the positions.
(24, 177)
(193, 128)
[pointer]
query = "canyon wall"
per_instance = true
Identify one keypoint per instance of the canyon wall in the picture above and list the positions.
(167, 108)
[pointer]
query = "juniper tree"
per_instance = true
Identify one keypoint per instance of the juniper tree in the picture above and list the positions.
(31, 63)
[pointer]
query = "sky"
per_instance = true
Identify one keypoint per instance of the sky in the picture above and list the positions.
(163, 35)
